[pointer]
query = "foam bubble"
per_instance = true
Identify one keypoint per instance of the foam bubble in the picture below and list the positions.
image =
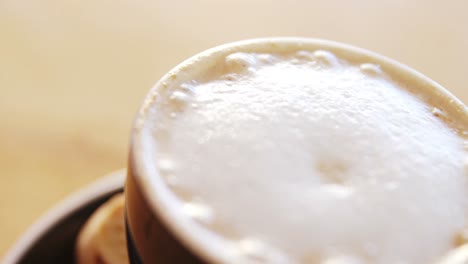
(266, 58)
(370, 68)
(326, 58)
(180, 97)
(187, 87)
(305, 55)
(166, 166)
(199, 212)
(437, 112)
(239, 62)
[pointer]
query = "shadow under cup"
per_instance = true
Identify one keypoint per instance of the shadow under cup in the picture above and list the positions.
(154, 234)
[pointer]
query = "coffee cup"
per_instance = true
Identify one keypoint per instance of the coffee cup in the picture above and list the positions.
(295, 150)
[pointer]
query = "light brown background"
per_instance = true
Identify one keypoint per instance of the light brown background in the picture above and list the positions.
(72, 73)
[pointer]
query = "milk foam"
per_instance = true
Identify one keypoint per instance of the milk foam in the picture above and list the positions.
(304, 157)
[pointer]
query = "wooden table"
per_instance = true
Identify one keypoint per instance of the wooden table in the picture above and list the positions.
(72, 73)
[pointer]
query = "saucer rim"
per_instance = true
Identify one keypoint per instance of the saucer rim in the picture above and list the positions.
(79, 199)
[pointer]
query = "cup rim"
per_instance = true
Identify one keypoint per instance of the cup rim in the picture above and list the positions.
(100, 188)
(155, 190)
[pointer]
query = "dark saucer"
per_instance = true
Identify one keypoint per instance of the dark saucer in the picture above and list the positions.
(52, 238)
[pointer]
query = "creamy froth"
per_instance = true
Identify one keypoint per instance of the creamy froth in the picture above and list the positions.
(306, 157)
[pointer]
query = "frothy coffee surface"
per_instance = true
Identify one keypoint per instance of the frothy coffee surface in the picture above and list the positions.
(306, 157)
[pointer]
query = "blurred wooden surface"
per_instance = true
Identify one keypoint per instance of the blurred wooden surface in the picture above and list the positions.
(72, 73)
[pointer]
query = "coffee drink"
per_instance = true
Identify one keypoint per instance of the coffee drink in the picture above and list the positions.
(305, 151)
